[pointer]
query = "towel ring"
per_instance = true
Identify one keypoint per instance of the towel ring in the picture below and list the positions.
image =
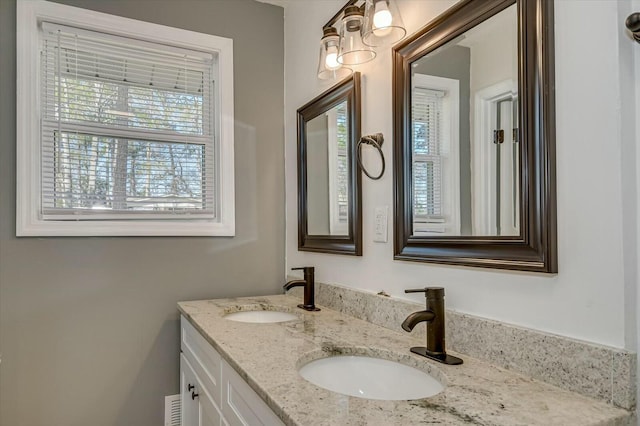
(376, 140)
(633, 25)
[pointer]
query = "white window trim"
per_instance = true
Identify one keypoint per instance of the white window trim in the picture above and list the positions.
(28, 220)
(451, 165)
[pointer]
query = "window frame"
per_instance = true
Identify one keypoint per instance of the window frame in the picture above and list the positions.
(449, 155)
(29, 220)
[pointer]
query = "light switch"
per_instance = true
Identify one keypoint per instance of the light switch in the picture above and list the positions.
(380, 224)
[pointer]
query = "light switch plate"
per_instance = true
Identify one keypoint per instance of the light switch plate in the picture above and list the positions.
(380, 218)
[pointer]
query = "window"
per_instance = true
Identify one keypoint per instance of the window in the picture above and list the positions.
(435, 164)
(133, 132)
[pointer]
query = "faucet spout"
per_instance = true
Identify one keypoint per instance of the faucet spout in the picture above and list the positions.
(309, 288)
(416, 318)
(294, 283)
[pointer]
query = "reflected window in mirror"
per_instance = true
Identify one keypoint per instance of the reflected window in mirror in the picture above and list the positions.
(328, 173)
(435, 155)
(329, 200)
(474, 146)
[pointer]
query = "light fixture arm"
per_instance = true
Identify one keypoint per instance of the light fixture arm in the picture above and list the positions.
(336, 18)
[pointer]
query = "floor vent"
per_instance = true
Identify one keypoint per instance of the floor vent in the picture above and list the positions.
(172, 408)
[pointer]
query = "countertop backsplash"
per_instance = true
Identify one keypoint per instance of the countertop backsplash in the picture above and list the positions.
(597, 371)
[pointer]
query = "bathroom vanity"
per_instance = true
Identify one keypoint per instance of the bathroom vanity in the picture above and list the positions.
(212, 393)
(240, 373)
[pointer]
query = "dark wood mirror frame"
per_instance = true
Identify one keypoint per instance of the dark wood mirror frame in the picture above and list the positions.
(349, 90)
(535, 249)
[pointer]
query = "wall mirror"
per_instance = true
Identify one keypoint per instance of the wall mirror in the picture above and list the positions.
(329, 199)
(474, 138)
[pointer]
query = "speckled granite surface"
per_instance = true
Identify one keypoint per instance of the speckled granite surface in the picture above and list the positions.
(476, 393)
(593, 370)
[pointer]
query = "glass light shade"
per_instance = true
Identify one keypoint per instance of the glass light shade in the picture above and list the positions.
(352, 50)
(328, 65)
(383, 24)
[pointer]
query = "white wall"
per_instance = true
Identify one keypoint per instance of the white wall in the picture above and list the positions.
(494, 51)
(586, 299)
(636, 144)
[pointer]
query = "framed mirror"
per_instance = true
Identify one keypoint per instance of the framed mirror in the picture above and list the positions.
(474, 138)
(329, 198)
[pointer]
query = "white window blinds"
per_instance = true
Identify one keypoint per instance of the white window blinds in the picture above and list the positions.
(426, 118)
(342, 175)
(127, 128)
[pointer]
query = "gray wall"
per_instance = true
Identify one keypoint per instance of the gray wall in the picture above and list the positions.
(89, 326)
(455, 62)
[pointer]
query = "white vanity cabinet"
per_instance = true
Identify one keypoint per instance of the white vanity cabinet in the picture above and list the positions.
(212, 393)
(198, 407)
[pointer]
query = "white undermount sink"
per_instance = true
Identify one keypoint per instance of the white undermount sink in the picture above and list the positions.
(371, 378)
(260, 316)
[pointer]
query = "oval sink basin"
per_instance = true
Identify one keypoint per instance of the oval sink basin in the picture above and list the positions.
(371, 378)
(260, 316)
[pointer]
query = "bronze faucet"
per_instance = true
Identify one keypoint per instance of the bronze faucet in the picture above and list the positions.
(309, 287)
(434, 317)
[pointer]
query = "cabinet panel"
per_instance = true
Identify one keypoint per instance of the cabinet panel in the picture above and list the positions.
(204, 359)
(209, 414)
(241, 406)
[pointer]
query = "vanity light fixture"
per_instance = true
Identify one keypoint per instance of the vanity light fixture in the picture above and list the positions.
(383, 24)
(328, 65)
(353, 51)
(362, 25)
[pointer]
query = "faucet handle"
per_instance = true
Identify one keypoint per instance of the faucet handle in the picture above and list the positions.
(416, 290)
(429, 292)
(308, 270)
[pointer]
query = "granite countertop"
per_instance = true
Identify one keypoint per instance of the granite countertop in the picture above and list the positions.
(268, 356)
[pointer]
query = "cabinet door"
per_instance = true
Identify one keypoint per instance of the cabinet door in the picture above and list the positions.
(241, 406)
(202, 357)
(198, 406)
(188, 384)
